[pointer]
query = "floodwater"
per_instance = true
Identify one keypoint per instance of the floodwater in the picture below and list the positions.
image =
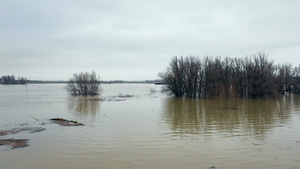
(145, 129)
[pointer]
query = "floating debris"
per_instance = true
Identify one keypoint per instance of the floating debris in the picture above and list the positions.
(115, 99)
(95, 99)
(34, 118)
(64, 122)
(124, 95)
(14, 143)
(118, 98)
(18, 143)
(17, 130)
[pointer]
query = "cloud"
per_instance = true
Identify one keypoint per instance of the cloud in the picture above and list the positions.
(136, 38)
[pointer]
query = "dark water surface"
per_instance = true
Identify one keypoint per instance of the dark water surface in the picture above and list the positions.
(131, 126)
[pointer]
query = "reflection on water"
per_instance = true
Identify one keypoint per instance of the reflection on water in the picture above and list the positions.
(227, 117)
(84, 106)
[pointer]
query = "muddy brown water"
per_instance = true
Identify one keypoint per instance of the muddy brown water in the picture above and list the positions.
(148, 130)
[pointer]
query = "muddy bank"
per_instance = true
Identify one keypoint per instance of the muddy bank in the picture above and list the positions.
(17, 130)
(18, 143)
(64, 122)
(21, 143)
(14, 143)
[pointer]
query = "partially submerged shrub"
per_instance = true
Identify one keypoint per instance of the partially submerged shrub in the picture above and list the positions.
(84, 83)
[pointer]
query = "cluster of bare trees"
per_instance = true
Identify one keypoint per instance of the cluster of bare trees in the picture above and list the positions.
(11, 79)
(249, 77)
(84, 83)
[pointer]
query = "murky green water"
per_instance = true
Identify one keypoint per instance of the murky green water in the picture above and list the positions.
(148, 130)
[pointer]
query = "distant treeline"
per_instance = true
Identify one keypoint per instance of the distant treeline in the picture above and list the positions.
(11, 79)
(102, 82)
(249, 77)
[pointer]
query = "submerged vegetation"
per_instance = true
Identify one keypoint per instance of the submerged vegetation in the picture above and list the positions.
(14, 143)
(21, 143)
(18, 143)
(249, 77)
(17, 130)
(84, 83)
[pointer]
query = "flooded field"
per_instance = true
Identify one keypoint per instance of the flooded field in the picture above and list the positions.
(134, 126)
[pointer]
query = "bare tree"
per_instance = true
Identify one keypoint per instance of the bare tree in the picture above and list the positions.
(192, 67)
(296, 80)
(239, 78)
(225, 70)
(84, 83)
(174, 77)
(249, 77)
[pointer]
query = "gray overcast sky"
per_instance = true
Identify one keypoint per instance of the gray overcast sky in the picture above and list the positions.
(136, 39)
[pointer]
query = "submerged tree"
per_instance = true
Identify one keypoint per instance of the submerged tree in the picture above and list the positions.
(84, 83)
(249, 77)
